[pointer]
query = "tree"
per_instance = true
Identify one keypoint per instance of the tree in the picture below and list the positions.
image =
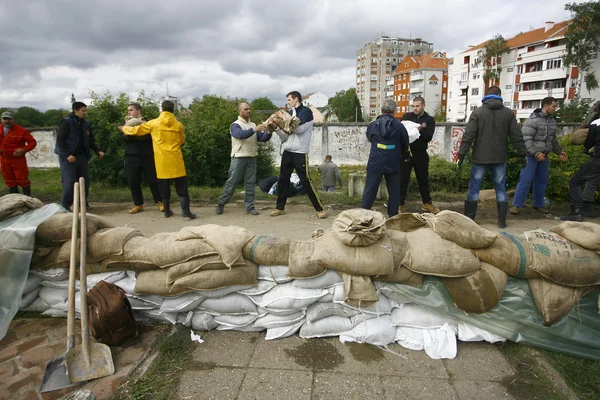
(438, 115)
(490, 57)
(583, 39)
(575, 111)
(29, 117)
(53, 117)
(346, 106)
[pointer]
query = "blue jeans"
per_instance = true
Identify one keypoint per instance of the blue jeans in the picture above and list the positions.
(537, 172)
(70, 173)
(498, 175)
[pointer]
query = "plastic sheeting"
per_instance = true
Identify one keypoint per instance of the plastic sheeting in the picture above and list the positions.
(17, 236)
(515, 317)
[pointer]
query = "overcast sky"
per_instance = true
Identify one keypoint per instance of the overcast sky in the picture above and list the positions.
(249, 49)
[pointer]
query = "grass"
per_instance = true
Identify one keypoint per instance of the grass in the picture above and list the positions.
(160, 381)
(582, 375)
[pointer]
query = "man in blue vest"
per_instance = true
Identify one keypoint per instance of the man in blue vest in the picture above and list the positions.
(73, 143)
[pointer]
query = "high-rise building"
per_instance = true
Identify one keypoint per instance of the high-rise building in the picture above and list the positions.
(531, 70)
(375, 65)
(424, 76)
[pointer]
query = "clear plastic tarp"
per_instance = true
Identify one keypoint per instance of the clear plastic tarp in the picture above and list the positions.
(17, 238)
(515, 317)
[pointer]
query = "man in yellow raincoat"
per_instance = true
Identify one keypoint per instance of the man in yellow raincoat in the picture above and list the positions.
(167, 139)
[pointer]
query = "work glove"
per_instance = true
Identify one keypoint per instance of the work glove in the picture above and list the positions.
(523, 161)
(460, 161)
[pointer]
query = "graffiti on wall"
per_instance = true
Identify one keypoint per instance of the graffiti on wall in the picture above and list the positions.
(436, 145)
(43, 155)
(348, 144)
(456, 140)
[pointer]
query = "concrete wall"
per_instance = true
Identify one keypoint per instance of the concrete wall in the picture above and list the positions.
(43, 155)
(347, 142)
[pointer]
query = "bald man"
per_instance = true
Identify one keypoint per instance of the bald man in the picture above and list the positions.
(245, 136)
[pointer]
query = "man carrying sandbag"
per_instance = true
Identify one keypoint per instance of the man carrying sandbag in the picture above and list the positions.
(487, 131)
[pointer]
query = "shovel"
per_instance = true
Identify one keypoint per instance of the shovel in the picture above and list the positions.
(56, 376)
(90, 360)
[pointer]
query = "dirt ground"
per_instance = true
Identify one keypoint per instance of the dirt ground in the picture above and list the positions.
(299, 221)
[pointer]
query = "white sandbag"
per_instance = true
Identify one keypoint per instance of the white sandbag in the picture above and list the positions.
(232, 304)
(224, 291)
(328, 326)
(203, 322)
(155, 315)
(283, 331)
(52, 296)
(28, 298)
(326, 280)
(235, 321)
(274, 273)
(288, 297)
(470, 333)
(269, 321)
(32, 283)
(137, 304)
(59, 284)
(413, 130)
(416, 316)
(381, 307)
(37, 305)
(184, 303)
(410, 338)
(328, 298)
(53, 274)
(319, 311)
(378, 331)
(127, 284)
(110, 277)
(55, 312)
(262, 287)
(440, 343)
(151, 299)
(185, 319)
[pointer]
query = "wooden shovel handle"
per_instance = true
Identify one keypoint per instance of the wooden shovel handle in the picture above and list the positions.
(73, 270)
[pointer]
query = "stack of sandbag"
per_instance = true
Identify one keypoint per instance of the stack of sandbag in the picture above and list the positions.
(16, 204)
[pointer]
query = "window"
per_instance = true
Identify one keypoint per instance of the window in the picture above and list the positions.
(509, 69)
(463, 76)
(445, 84)
(508, 87)
(450, 95)
(444, 96)
(518, 87)
(552, 64)
(443, 108)
(519, 69)
(466, 60)
(476, 75)
(516, 106)
(473, 107)
(507, 103)
(475, 92)
(403, 109)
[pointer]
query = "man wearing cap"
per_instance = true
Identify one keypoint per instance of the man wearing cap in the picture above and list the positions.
(15, 142)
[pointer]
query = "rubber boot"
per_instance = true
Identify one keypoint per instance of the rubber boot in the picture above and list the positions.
(27, 190)
(576, 215)
(502, 211)
(185, 208)
(470, 209)
(13, 189)
(588, 209)
(167, 204)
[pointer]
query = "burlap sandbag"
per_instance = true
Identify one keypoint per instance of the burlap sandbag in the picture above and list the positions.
(228, 241)
(109, 242)
(429, 254)
(563, 261)
(268, 250)
(285, 121)
(16, 204)
(165, 249)
(155, 282)
(460, 229)
(359, 227)
(578, 137)
(59, 257)
(401, 274)
(479, 292)
(204, 263)
(585, 234)
(376, 259)
(300, 263)
(405, 222)
(359, 290)
(511, 253)
(215, 279)
(57, 228)
(555, 301)
(39, 253)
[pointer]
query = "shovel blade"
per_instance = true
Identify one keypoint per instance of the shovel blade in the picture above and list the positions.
(56, 376)
(101, 363)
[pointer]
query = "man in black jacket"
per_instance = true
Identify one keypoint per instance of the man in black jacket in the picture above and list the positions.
(389, 146)
(73, 143)
(487, 132)
(139, 159)
(588, 172)
(419, 160)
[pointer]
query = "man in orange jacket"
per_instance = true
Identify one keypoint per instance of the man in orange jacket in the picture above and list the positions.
(15, 141)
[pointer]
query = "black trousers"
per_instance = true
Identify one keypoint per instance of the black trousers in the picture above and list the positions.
(135, 167)
(299, 162)
(587, 172)
(181, 187)
(372, 186)
(420, 162)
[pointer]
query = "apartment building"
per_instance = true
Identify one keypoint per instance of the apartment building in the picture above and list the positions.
(375, 64)
(425, 76)
(531, 70)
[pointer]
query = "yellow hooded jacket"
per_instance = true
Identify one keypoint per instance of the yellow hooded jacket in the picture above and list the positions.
(167, 138)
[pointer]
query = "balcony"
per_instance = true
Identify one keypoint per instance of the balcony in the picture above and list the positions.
(524, 112)
(525, 95)
(545, 75)
(463, 84)
(416, 76)
(416, 89)
(389, 93)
